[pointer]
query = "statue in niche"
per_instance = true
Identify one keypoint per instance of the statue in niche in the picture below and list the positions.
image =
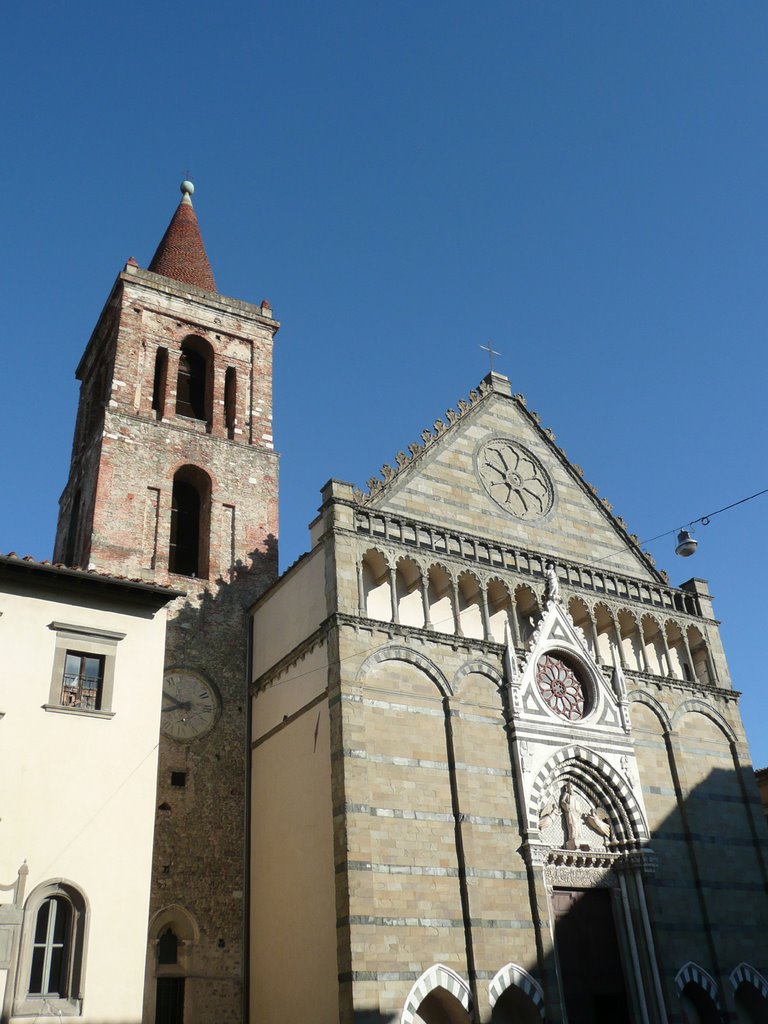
(570, 820)
(552, 582)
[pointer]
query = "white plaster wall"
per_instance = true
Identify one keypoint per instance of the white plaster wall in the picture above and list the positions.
(80, 805)
(295, 608)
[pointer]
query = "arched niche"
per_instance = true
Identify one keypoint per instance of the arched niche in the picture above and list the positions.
(653, 644)
(376, 586)
(470, 606)
(439, 591)
(410, 604)
(582, 620)
(528, 612)
(499, 610)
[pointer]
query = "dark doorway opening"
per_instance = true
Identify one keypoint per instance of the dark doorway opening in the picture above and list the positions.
(169, 1005)
(588, 953)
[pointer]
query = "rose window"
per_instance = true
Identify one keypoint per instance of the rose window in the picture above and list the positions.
(515, 479)
(561, 688)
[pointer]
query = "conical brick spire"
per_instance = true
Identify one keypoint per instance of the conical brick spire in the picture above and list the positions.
(181, 254)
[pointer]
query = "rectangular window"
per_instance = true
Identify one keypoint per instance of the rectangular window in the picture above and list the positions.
(83, 677)
(83, 680)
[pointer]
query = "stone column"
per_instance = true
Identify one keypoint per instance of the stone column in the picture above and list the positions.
(425, 600)
(641, 641)
(485, 612)
(617, 633)
(393, 594)
(665, 649)
(455, 606)
(514, 624)
(361, 609)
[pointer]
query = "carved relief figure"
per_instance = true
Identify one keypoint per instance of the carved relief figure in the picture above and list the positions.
(570, 820)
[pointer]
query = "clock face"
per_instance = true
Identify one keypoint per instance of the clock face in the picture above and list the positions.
(190, 706)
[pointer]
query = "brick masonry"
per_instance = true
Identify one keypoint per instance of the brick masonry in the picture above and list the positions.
(116, 516)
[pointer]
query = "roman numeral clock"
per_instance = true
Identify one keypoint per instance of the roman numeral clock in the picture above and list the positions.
(191, 706)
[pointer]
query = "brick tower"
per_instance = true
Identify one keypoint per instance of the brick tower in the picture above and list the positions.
(173, 479)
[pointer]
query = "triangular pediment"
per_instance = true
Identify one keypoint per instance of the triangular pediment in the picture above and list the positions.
(490, 470)
(558, 638)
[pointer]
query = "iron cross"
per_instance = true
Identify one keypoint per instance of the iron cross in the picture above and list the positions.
(491, 353)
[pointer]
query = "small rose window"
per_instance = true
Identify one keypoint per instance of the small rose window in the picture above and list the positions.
(562, 690)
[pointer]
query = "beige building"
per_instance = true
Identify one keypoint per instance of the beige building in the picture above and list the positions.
(81, 659)
(498, 768)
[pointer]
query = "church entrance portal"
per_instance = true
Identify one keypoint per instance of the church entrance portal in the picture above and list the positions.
(588, 954)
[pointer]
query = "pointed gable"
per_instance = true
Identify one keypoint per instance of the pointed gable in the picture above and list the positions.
(492, 471)
(181, 254)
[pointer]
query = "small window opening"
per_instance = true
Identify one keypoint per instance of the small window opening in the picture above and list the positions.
(51, 948)
(179, 779)
(82, 681)
(160, 381)
(230, 400)
(168, 948)
(191, 387)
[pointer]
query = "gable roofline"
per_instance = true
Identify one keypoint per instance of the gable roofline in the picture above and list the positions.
(497, 384)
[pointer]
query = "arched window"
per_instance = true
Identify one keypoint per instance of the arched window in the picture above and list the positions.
(193, 383)
(230, 400)
(190, 523)
(173, 934)
(50, 969)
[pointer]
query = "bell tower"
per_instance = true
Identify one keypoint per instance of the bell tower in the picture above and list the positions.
(173, 479)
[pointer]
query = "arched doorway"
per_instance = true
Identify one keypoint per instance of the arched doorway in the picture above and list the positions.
(440, 1007)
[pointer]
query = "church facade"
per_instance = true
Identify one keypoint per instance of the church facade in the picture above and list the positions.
(519, 787)
(472, 758)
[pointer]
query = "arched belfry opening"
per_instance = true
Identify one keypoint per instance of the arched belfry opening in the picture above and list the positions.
(190, 523)
(193, 385)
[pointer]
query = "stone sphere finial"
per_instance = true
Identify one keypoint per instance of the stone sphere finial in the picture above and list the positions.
(187, 188)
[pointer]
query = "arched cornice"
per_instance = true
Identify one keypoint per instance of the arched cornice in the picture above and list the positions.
(701, 707)
(746, 973)
(438, 976)
(691, 972)
(598, 775)
(177, 917)
(399, 652)
(510, 976)
(377, 551)
(477, 667)
(641, 697)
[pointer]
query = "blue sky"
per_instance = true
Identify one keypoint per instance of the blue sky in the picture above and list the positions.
(585, 184)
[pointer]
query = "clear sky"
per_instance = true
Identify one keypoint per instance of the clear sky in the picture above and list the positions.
(584, 184)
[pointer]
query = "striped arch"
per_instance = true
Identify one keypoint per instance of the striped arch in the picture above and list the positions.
(641, 697)
(478, 667)
(691, 972)
(709, 712)
(600, 779)
(437, 976)
(745, 972)
(398, 652)
(510, 976)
